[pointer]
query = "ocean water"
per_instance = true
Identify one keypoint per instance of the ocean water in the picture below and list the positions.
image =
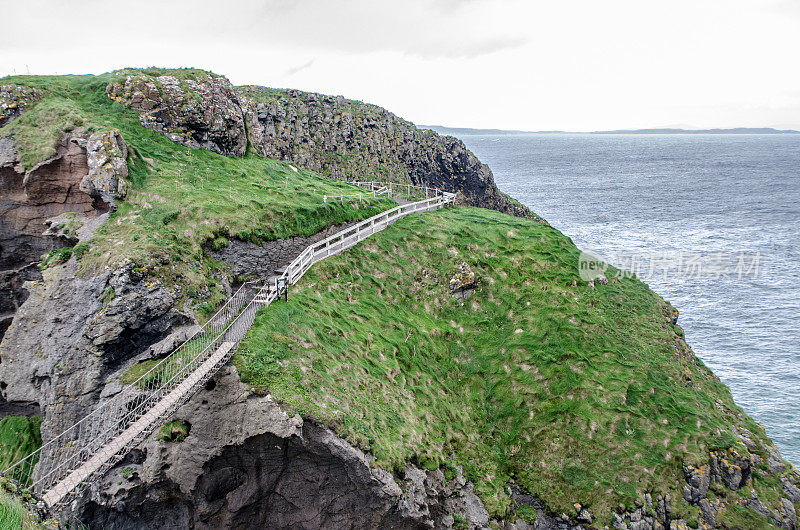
(710, 222)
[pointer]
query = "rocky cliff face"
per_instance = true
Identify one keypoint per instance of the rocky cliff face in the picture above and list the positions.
(71, 189)
(247, 464)
(14, 99)
(27, 202)
(340, 138)
(72, 334)
(351, 140)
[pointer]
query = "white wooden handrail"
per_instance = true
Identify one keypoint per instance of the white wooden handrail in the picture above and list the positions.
(99, 440)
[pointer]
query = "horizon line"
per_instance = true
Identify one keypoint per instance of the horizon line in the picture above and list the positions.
(644, 130)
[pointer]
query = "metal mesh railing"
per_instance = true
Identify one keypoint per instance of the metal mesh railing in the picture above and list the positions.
(41, 470)
(99, 440)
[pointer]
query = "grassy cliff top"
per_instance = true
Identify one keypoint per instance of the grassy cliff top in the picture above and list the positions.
(267, 95)
(576, 394)
(179, 199)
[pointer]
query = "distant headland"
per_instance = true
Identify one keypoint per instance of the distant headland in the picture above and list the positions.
(502, 132)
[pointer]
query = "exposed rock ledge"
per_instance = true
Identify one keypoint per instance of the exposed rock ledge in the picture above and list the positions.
(248, 464)
(14, 99)
(246, 258)
(339, 138)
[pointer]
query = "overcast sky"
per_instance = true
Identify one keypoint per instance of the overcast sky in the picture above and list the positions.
(512, 64)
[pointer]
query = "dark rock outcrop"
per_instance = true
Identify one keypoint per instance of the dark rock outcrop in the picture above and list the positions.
(340, 138)
(351, 140)
(247, 464)
(14, 291)
(246, 258)
(14, 99)
(203, 111)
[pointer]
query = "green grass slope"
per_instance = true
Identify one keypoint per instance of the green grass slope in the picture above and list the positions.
(15, 516)
(19, 437)
(179, 198)
(576, 394)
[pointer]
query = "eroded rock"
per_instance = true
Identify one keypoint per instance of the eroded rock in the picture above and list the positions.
(106, 156)
(27, 200)
(14, 99)
(248, 464)
(199, 112)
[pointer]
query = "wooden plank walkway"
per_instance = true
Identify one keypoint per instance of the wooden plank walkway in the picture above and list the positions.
(60, 490)
(237, 329)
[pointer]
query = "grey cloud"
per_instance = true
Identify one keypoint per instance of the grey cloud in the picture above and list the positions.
(427, 29)
(292, 71)
(423, 28)
(467, 50)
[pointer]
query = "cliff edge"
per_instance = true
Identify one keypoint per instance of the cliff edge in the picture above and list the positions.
(379, 395)
(336, 137)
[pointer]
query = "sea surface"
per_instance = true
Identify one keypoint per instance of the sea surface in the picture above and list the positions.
(710, 222)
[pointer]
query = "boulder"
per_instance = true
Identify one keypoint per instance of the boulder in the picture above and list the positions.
(14, 99)
(697, 480)
(202, 111)
(106, 156)
(730, 468)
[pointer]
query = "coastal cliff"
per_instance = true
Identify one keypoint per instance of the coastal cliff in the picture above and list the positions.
(336, 137)
(537, 400)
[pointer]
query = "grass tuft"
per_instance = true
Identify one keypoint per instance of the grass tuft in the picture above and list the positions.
(15, 516)
(577, 394)
(180, 200)
(57, 256)
(19, 437)
(173, 431)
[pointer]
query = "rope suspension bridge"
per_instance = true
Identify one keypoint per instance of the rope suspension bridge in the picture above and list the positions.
(59, 470)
